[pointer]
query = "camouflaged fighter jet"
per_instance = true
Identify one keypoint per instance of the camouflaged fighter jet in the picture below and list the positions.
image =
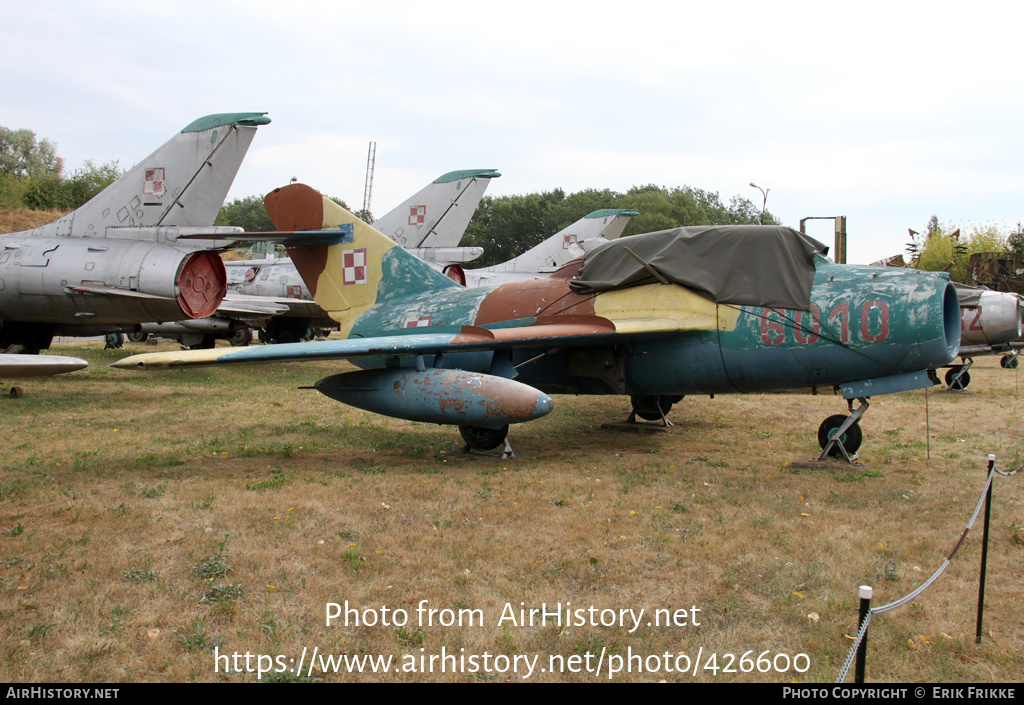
(118, 260)
(704, 310)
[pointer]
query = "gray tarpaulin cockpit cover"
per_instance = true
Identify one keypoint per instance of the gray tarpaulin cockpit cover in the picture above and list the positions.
(751, 265)
(970, 296)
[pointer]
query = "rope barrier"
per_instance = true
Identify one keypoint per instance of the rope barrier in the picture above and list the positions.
(924, 586)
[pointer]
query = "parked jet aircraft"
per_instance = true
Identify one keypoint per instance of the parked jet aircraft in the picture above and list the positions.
(991, 323)
(557, 251)
(739, 309)
(118, 259)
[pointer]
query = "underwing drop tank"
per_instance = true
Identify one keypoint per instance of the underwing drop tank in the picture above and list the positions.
(441, 396)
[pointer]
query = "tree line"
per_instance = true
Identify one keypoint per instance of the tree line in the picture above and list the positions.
(507, 226)
(32, 175)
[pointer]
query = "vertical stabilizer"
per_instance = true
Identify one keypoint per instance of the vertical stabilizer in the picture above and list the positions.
(183, 183)
(565, 245)
(349, 265)
(437, 215)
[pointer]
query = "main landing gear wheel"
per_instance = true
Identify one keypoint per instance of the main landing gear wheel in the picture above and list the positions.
(207, 343)
(652, 408)
(480, 438)
(958, 383)
(1008, 362)
(138, 336)
(851, 438)
(240, 338)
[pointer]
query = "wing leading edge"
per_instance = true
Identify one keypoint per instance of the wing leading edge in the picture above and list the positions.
(578, 332)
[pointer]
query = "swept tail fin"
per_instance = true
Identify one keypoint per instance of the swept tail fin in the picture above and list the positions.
(565, 245)
(347, 264)
(438, 214)
(183, 183)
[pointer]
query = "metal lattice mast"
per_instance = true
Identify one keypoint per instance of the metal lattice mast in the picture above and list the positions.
(371, 158)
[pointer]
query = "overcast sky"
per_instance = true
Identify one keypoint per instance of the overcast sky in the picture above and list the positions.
(887, 112)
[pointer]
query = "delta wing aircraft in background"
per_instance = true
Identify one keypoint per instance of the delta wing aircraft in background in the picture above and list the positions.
(730, 309)
(556, 252)
(118, 260)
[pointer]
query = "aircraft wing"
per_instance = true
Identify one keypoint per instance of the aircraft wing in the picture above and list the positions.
(114, 291)
(243, 306)
(38, 365)
(280, 305)
(561, 331)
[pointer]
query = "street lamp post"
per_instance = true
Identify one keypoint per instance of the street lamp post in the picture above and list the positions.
(764, 201)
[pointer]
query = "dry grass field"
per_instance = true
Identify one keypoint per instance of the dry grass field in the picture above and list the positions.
(161, 526)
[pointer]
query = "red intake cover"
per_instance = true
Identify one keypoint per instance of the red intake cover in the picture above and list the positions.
(202, 284)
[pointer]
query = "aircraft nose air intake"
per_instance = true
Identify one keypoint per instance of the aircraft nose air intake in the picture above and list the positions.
(202, 284)
(951, 320)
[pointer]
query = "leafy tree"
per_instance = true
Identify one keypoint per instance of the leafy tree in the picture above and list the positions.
(510, 225)
(54, 192)
(246, 213)
(951, 252)
(1015, 241)
(250, 214)
(22, 155)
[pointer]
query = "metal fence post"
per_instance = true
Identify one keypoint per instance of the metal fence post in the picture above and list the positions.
(984, 551)
(862, 650)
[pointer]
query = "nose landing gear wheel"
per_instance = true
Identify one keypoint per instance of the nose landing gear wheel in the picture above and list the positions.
(851, 438)
(953, 381)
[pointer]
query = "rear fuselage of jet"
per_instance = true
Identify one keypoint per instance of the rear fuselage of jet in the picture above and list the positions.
(73, 280)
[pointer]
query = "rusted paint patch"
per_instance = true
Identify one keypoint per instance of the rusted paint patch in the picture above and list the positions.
(295, 207)
(531, 299)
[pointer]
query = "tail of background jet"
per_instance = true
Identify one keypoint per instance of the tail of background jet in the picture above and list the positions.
(558, 250)
(347, 264)
(184, 183)
(437, 215)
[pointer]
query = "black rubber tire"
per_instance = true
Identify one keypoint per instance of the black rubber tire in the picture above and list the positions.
(240, 338)
(646, 406)
(851, 439)
(480, 438)
(965, 378)
(207, 343)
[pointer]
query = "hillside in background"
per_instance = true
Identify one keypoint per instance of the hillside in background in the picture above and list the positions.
(14, 220)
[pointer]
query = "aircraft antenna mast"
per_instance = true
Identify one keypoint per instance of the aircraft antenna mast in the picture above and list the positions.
(371, 160)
